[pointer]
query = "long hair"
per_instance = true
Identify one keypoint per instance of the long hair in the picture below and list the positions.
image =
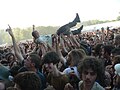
(75, 56)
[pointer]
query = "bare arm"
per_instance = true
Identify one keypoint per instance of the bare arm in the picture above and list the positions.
(62, 59)
(74, 40)
(16, 48)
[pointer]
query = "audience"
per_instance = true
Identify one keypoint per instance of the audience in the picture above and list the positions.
(75, 60)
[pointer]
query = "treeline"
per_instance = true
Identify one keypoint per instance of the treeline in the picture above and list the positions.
(93, 22)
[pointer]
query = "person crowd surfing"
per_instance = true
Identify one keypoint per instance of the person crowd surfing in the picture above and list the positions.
(74, 61)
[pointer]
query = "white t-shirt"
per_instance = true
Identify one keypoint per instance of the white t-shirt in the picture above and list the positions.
(69, 70)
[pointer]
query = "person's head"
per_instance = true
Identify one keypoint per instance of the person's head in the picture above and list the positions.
(35, 34)
(90, 70)
(33, 60)
(102, 29)
(27, 81)
(10, 57)
(106, 50)
(49, 59)
(14, 70)
(117, 40)
(98, 49)
(82, 51)
(116, 79)
(116, 60)
(115, 51)
(74, 57)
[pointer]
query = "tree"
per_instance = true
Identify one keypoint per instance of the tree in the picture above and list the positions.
(118, 18)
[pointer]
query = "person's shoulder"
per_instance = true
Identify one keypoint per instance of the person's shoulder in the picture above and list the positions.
(97, 86)
(40, 74)
(80, 83)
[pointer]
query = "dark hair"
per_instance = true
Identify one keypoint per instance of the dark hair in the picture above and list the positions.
(108, 49)
(35, 34)
(7, 56)
(14, 70)
(116, 51)
(96, 65)
(98, 48)
(51, 57)
(35, 59)
(28, 80)
(117, 37)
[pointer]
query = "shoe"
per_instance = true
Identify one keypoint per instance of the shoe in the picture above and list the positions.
(78, 31)
(77, 19)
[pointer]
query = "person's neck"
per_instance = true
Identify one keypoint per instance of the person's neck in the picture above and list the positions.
(87, 87)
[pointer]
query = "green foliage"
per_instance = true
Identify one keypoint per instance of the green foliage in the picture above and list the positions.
(118, 18)
(4, 38)
(93, 22)
(46, 30)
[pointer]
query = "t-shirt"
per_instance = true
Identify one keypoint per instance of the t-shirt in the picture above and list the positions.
(43, 80)
(69, 70)
(96, 86)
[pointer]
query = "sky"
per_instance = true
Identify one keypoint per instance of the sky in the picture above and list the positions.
(25, 13)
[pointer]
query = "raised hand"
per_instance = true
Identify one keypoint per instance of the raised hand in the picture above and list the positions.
(9, 30)
(33, 27)
(16, 48)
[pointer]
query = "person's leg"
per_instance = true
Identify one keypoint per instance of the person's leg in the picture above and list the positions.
(64, 28)
(78, 31)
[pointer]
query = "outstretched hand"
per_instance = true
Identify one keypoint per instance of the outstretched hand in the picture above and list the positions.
(9, 30)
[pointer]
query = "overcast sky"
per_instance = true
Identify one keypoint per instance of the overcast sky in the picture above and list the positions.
(25, 13)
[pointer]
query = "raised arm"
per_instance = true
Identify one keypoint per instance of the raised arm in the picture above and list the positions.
(74, 40)
(16, 48)
(62, 59)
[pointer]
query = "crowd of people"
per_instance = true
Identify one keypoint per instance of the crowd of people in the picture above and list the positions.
(72, 61)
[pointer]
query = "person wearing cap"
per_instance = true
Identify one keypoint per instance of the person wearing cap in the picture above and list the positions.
(116, 78)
